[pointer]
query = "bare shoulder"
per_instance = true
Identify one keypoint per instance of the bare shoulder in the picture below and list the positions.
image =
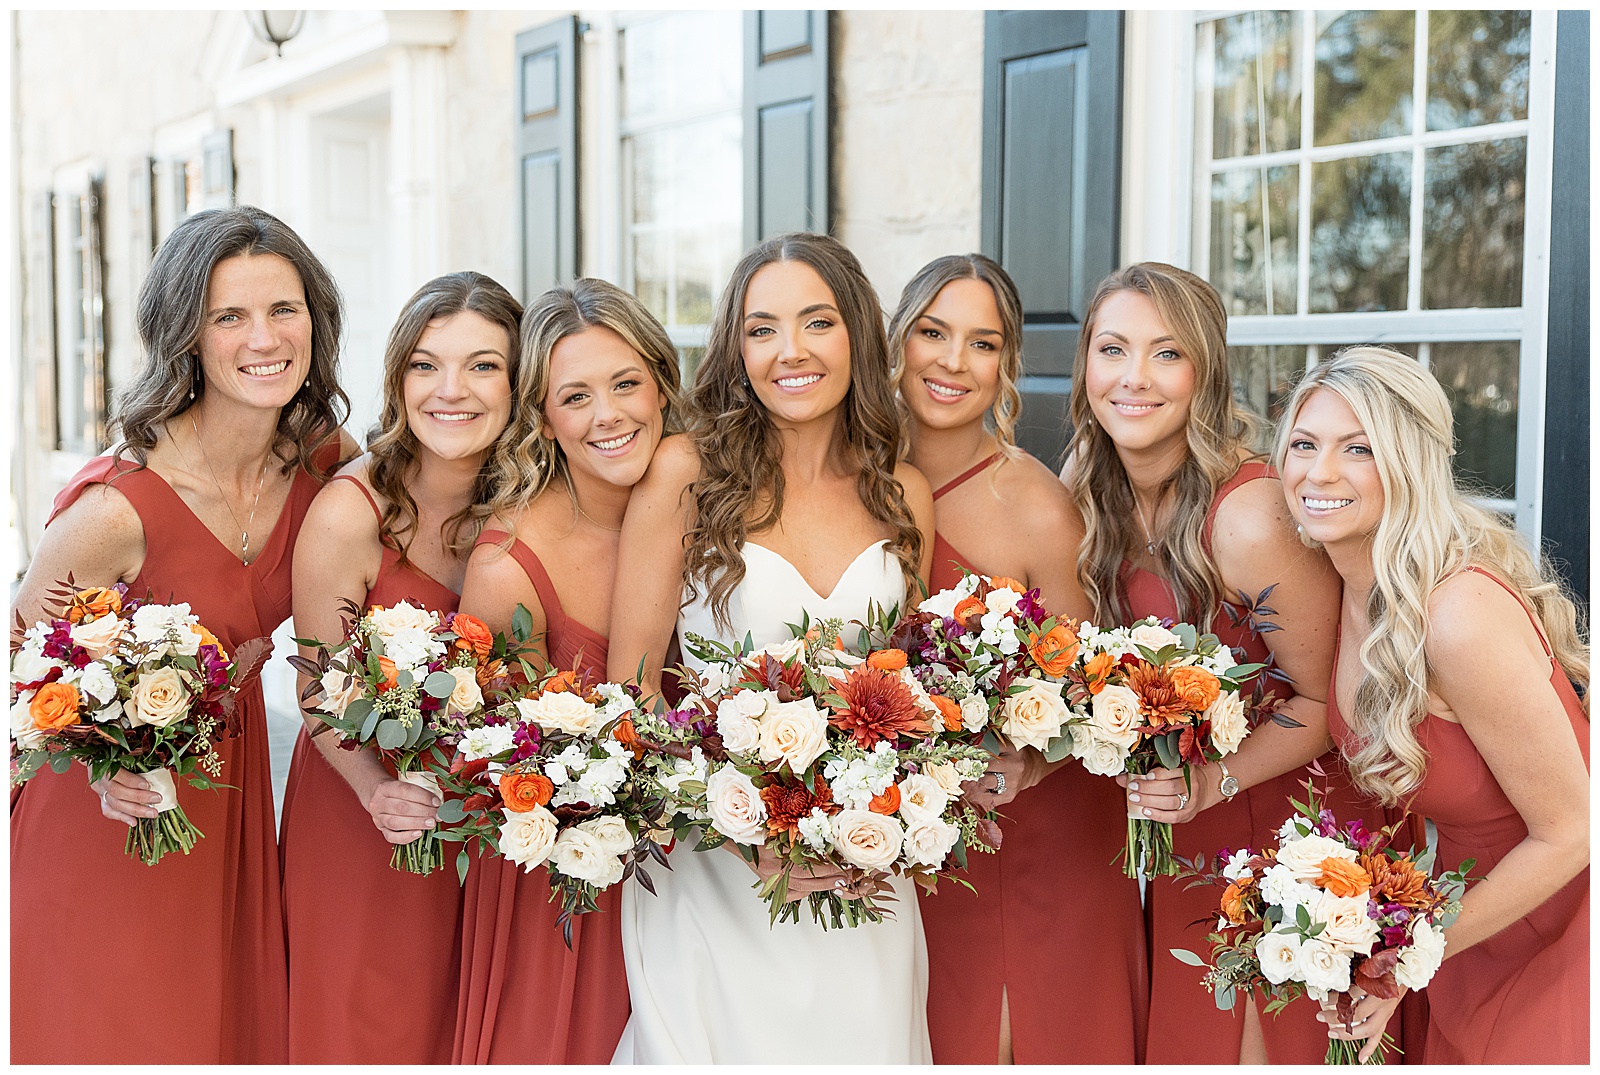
(1034, 497)
(102, 521)
(1253, 515)
(915, 484)
(675, 464)
(1470, 618)
(340, 509)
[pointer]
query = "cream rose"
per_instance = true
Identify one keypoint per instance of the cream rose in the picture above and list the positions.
(159, 699)
(1322, 966)
(403, 616)
(23, 733)
(1114, 714)
(1152, 636)
(870, 841)
(797, 732)
(1421, 958)
(339, 689)
(974, 712)
(560, 711)
(1279, 955)
(612, 832)
(1034, 716)
(1228, 726)
(30, 666)
(738, 719)
(1100, 756)
(928, 844)
(162, 783)
(1303, 857)
(1345, 922)
(781, 651)
(579, 853)
(922, 799)
(527, 837)
(944, 774)
(467, 696)
(1003, 599)
(736, 807)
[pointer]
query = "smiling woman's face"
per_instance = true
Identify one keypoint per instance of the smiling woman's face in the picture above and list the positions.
(604, 408)
(796, 347)
(1138, 380)
(457, 385)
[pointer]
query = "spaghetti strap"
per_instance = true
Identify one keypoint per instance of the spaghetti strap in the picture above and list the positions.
(1538, 628)
(1247, 472)
(533, 568)
(359, 484)
(970, 473)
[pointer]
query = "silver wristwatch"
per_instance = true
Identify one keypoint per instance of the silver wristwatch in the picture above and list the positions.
(1230, 783)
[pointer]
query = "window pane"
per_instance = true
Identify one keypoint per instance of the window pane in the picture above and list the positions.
(1249, 238)
(1360, 223)
(1481, 381)
(1256, 80)
(650, 273)
(643, 152)
(1364, 75)
(1472, 224)
(1264, 377)
(688, 61)
(1477, 67)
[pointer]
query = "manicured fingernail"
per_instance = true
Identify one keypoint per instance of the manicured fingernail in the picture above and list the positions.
(1133, 798)
(1146, 811)
(1133, 785)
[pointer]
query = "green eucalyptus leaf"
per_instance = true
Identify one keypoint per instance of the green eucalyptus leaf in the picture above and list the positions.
(391, 734)
(1186, 956)
(440, 684)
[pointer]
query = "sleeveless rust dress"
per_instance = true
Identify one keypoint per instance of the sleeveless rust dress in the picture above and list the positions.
(1521, 996)
(1047, 902)
(524, 997)
(373, 951)
(113, 961)
(1185, 1025)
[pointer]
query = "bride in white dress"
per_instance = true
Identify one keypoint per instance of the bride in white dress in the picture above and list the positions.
(789, 498)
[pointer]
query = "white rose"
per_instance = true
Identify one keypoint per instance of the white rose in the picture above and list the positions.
(1304, 857)
(736, 807)
(1034, 716)
(1101, 757)
(1345, 922)
(1279, 956)
(1421, 958)
(339, 689)
(974, 713)
(922, 799)
(1228, 726)
(30, 666)
(159, 699)
(928, 843)
(738, 720)
(1002, 600)
(23, 733)
(559, 711)
(782, 652)
(467, 696)
(526, 837)
(1322, 966)
(100, 635)
(579, 853)
(870, 841)
(944, 774)
(797, 732)
(403, 616)
(97, 682)
(1114, 714)
(716, 677)
(1152, 636)
(612, 832)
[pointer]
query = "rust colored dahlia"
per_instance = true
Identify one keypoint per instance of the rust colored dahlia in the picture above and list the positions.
(1160, 703)
(787, 804)
(787, 682)
(1398, 881)
(877, 706)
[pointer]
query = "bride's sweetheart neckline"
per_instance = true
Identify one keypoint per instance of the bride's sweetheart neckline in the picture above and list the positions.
(844, 575)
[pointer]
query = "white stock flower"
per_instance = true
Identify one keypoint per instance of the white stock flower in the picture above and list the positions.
(1034, 716)
(595, 782)
(797, 732)
(868, 840)
(167, 629)
(922, 799)
(559, 711)
(1279, 888)
(1345, 922)
(412, 650)
(1152, 636)
(927, 843)
(97, 682)
(736, 807)
(1322, 966)
(1279, 956)
(1236, 868)
(943, 604)
(487, 741)
(816, 829)
(1228, 724)
(527, 837)
(974, 712)
(1114, 714)
(1421, 958)
(1304, 857)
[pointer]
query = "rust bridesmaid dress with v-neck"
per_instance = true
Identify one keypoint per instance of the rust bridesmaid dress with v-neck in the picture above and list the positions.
(373, 951)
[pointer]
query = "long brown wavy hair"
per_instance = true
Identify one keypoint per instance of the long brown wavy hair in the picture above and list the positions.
(170, 314)
(394, 447)
(1430, 530)
(921, 292)
(1218, 428)
(740, 488)
(527, 461)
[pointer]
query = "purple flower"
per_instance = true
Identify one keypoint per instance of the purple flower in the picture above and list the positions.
(1030, 607)
(525, 742)
(681, 718)
(1358, 834)
(1394, 936)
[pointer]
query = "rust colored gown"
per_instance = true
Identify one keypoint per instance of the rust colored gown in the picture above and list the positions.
(373, 951)
(525, 998)
(1522, 996)
(1054, 870)
(113, 961)
(1186, 1026)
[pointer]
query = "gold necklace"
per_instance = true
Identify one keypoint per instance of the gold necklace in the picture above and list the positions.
(1149, 542)
(244, 531)
(573, 493)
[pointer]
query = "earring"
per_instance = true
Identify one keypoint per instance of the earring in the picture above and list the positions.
(192, 380)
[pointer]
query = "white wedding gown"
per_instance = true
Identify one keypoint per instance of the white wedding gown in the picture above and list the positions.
(710, 980)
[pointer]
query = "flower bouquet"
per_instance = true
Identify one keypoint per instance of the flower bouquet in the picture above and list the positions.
(131, 686)
(1329, 908)
(406, 682)
(821, 755)
(546, 770)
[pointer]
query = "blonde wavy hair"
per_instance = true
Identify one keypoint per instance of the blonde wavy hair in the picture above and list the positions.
(527, 461)
(1219, 431)
(740, 488)
(1429, 531)
(920, 294)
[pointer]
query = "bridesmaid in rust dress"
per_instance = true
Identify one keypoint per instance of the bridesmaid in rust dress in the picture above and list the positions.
(373, 951)
(1180, 521)
(995, 984)
(1465, 713)
(225, 435)
(601, 392)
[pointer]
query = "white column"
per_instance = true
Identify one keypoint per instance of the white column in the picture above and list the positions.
(1157, 137)
(417, 175)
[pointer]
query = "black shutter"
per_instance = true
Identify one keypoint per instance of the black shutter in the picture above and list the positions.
(1565, 508)
(785, 123)
(1052, 141)
(546, 142)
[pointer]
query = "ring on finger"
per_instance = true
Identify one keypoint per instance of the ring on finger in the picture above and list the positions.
(1183, 800)
(999, 783)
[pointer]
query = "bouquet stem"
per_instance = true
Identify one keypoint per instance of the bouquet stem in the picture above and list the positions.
(421, 856)
(1149, 849)
(1348, 1052)
(153, 837)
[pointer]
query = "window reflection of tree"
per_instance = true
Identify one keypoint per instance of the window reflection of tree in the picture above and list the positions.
(1364, 75)
(1472, 225)
(1360, 227)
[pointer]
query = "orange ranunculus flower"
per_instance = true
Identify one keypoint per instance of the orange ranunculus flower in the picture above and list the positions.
(1233, 901)
(54, 707)
(889, 660)
(1196, 686)
(967, 606)
(92, 603)
(1054, 651)
(391, 677)
(472, 633)
(209, 639)
(523, 791)
(1098, 670)
(949, 710)
(1005, 582)
(562, 681)
(1343, 877)
(886, 801)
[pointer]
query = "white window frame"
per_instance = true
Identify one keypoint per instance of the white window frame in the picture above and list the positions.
(1526, 324)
